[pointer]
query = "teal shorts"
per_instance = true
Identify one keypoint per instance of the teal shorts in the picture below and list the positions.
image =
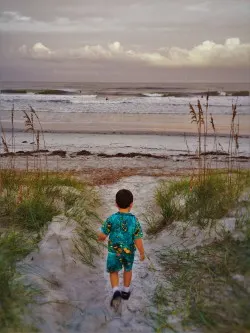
(116, 262)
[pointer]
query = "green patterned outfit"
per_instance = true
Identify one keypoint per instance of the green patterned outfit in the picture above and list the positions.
(122, 229)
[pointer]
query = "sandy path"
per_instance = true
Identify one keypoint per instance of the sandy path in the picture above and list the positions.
(76, 297)
(135, 312)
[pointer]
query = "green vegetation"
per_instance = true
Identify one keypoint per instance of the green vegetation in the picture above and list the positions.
(207, 195)
(14, 296)
(208, 287)
(201, 203)
(169, 197)
(83, 212)
(85, 243)
(28, 202)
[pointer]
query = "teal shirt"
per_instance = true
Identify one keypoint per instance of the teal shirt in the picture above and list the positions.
(122, 229)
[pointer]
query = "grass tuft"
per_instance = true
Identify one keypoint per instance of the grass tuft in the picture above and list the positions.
(196, 202)
(83, 212)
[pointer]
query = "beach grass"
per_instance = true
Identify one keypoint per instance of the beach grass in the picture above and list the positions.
(198, 203)
(208, 194)
(169, 197)
(83, 211)
(29, 201)
(15, 297)
(208, 287)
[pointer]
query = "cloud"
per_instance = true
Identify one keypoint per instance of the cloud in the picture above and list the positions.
(10, 17)
(38, 51)
(16, 22)
(199, 7)
(208, 53)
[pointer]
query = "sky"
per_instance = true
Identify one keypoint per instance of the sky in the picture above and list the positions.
(125, 40)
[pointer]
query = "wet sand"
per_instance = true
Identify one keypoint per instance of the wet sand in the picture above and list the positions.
(123, 123)
(100, 150)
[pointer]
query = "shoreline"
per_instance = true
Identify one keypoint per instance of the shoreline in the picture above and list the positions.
(99, 169)
(64, 153)
(125, 132)
(123, 123)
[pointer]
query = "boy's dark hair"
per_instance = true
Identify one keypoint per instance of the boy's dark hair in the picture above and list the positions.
(124, 198)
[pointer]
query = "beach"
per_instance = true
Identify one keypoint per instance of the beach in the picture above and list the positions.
(124, 146)
(147, 138)
(93, 151)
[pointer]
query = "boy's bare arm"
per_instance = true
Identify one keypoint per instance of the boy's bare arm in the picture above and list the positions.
(140, 247)
(101, 237)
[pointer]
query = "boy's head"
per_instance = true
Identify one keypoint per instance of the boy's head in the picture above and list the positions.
(124, 199)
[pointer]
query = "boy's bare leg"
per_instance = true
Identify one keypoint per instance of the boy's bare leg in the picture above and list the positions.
(127, 277)
(114, 279)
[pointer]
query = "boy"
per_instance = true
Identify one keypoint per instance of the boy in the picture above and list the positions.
(125, 235)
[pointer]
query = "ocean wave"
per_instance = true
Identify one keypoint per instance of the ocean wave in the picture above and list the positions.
(37, 98)
(14, 91)
(198, 94)
(124, 92)
(54, 92)
(63, 101)
(153, 95)
(81, 98)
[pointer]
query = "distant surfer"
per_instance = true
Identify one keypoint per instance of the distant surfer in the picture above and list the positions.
(125, 235)
(107, 98)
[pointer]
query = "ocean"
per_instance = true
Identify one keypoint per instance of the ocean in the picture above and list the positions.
(134, 98)
(123, 117)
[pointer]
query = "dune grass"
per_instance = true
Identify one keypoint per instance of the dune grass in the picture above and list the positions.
(84, 213)
(30, 199)
(14, 296)
(28, 202)
(199, 203)
(208, 287)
